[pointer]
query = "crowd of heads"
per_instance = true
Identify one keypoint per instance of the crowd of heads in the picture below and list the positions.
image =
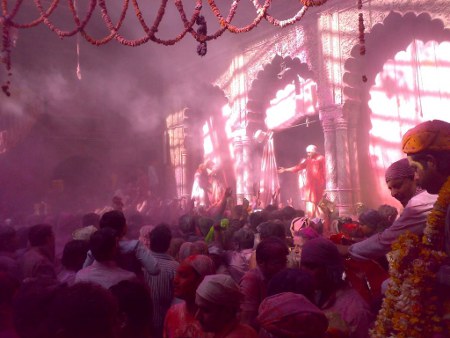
(302, 272)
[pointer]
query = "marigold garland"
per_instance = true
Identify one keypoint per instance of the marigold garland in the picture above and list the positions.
(7, 21)
(311, 3)
(411, 307)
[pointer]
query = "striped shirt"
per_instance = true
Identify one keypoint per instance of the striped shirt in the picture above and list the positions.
(161, 287)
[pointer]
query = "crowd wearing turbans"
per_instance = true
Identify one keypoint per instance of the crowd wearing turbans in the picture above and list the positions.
(223, 272)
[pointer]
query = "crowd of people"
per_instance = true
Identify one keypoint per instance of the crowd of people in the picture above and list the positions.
(224, 271)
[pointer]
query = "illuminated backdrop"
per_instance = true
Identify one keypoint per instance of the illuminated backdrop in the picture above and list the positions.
(411, 88)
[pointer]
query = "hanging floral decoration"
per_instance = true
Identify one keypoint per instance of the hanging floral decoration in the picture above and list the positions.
(311, 3)
(362, 41)
(361, 34)
(7, 20)
(202, 30)
(6, 55)
(412, 307)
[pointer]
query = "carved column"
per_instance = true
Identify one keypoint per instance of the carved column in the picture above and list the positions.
(344, 181)
(329, 133)
(247, 178)
(239, 168)
(238, 101)
(354, 162)
(184, 186)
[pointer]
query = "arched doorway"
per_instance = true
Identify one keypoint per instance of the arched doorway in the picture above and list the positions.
(290, 145)
(283, 103)
(404, 87)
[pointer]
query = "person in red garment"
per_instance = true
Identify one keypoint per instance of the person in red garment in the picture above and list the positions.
(314, 166)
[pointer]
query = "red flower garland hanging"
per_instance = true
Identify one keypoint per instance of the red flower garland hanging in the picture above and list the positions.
(361, 35)
(311, 3)
(200, 35)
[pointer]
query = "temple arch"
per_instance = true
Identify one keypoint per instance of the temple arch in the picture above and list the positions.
(391, 76)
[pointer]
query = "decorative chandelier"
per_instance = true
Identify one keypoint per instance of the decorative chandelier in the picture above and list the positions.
(7, 22)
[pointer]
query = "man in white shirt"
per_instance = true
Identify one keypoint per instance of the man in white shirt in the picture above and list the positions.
(132, 254)
(104, 270)
(401, 181)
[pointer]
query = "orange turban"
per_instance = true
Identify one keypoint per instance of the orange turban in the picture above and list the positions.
(427, 136)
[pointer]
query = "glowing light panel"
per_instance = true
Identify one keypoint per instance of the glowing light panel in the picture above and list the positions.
(292, 103)
(410, 89)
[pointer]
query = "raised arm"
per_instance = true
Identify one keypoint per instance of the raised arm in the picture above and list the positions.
(294, 169)
(146, 259)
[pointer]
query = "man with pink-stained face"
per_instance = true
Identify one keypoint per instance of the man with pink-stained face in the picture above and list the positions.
(180, 319)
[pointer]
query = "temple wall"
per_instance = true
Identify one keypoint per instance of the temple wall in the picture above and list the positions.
(326, 39)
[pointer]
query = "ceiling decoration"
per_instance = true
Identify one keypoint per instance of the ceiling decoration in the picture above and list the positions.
(194, 25)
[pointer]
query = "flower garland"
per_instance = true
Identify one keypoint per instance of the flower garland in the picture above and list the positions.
(283, 23)
(202, 30)
(311, 3)
(6, 58)
(411, 307)
(200, 35)
(361, 35)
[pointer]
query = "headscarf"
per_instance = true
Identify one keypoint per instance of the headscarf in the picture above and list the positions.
(220, 290)
(291, 315)
(430, 135)
(299, 223)
(399, 169)
(202, 264)
(307, 233)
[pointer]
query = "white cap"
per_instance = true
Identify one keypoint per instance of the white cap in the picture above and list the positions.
(311, 149)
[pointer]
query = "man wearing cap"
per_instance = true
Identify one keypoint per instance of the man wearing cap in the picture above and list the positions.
(401, 181)
(289, 314)
(218, 299)
(314, 165)
(428, 148)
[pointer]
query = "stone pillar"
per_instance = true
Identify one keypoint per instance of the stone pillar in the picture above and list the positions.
(239, 168)
(185, 190)
(247, 177)
(344, 180)
(329, 133)
(354, 162)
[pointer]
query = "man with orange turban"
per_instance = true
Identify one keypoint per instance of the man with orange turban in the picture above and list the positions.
(428, 148)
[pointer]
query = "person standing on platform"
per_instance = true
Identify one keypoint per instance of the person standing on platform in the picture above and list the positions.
(314, 166)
